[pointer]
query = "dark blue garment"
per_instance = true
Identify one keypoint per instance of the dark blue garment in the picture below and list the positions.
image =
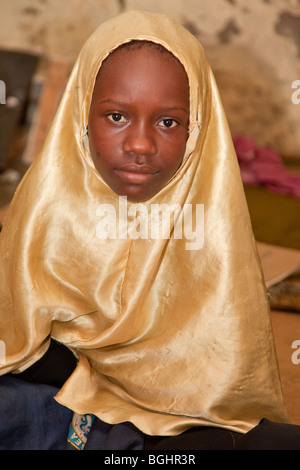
(30, 419)
(123, 436)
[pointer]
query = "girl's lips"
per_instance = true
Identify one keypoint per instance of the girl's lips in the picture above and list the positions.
(131, 177)
(144, 169)
(136, 174)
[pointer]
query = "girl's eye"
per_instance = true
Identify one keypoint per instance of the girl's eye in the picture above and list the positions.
(168, 123)
(116, 117)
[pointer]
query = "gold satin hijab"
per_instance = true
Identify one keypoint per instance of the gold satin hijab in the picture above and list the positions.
(167, 337)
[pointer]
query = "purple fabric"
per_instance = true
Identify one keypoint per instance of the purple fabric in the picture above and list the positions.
(263, 166)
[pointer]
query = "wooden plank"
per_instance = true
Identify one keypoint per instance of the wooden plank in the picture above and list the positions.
(57, 74)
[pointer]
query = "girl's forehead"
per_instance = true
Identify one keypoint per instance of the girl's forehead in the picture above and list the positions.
(139, 48)
(146, 69)
(142, 74)
(196, 74)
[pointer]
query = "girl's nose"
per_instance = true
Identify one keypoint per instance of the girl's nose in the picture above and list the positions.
(139, 140)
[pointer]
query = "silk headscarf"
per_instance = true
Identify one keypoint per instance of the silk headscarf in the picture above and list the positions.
(166, 337)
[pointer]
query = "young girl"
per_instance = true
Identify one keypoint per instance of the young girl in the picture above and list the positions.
(148, 338)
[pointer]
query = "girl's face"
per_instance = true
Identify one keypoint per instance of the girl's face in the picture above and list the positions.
(138, 121)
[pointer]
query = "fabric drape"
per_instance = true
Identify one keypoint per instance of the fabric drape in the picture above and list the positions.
(166, 337)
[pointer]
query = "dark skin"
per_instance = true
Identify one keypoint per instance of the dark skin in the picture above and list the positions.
(138, 121)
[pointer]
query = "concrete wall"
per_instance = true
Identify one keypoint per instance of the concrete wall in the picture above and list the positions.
(253, 47)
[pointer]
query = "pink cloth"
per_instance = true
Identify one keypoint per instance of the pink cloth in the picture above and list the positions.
(263, 166)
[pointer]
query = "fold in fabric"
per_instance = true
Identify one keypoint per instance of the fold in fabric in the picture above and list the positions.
(166, 337)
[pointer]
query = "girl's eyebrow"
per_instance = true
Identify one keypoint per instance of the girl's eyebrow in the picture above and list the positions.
(120, 103)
